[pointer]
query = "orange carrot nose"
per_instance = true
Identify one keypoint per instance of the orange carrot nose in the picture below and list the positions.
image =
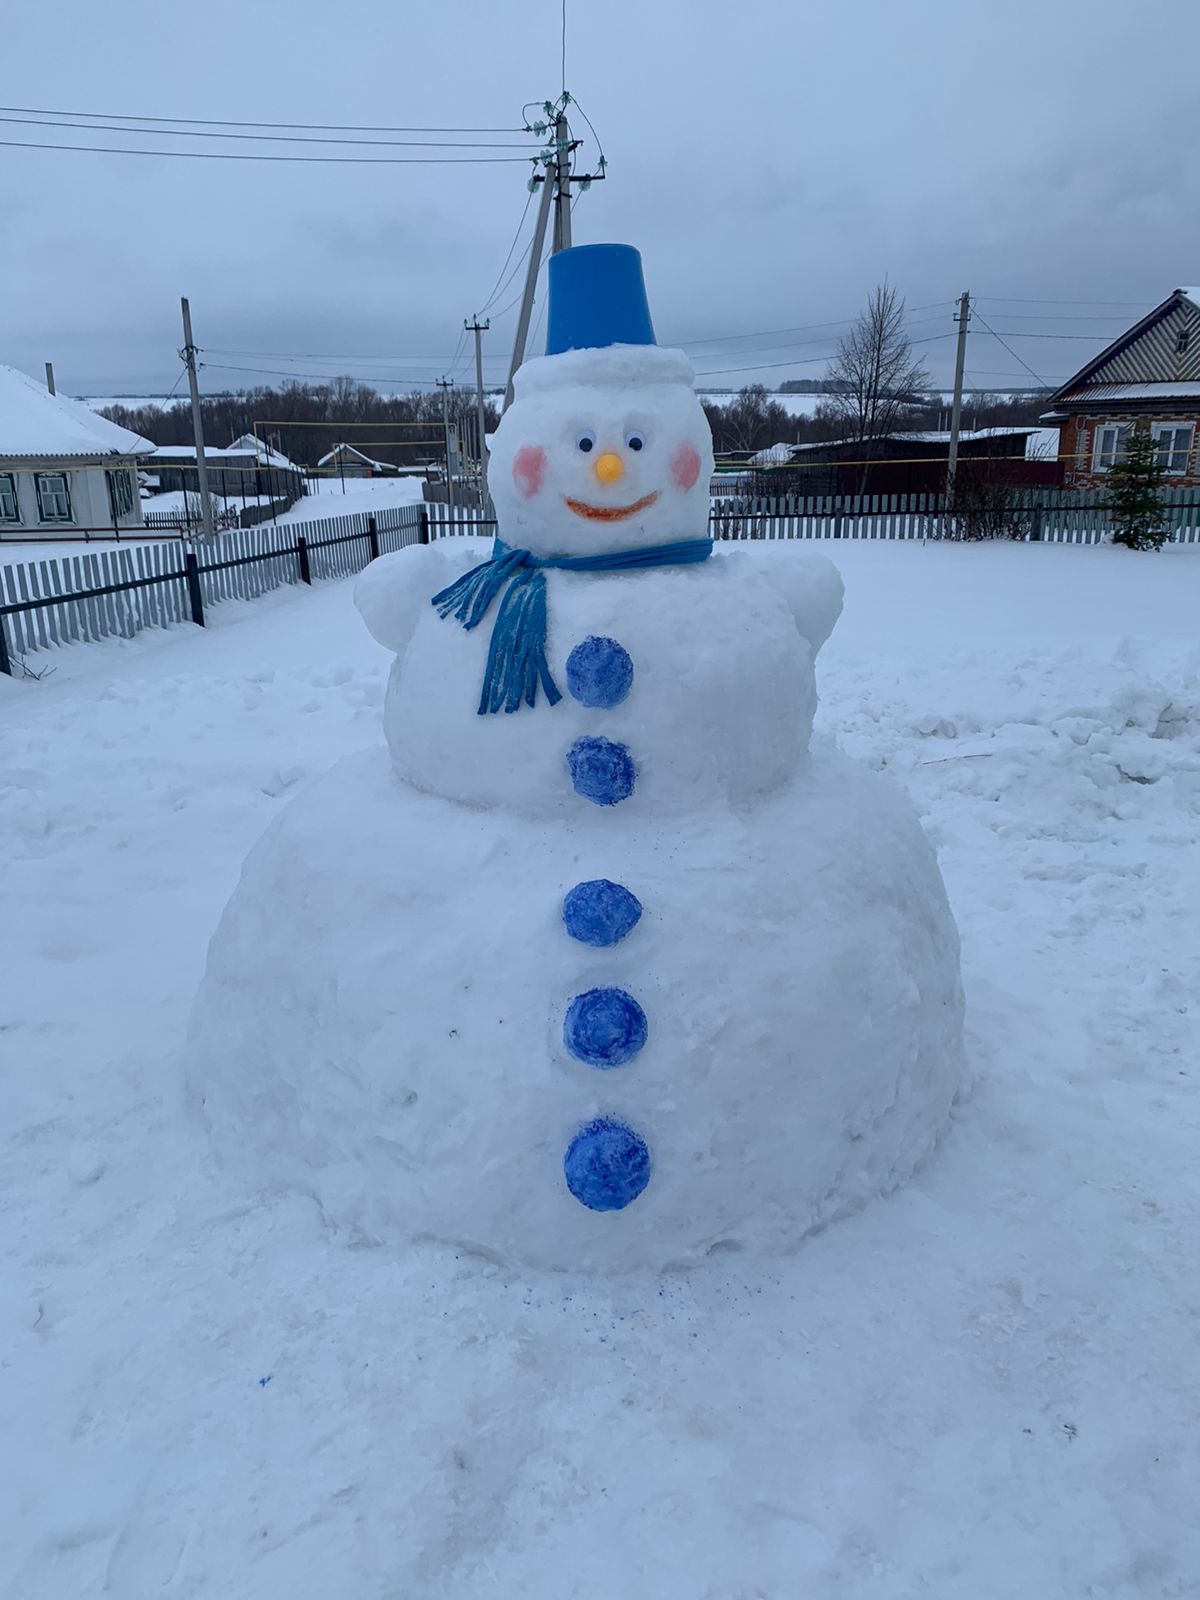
(609, 467)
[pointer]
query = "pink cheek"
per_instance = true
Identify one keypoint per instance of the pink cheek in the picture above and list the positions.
(529, 468)
(685, 467)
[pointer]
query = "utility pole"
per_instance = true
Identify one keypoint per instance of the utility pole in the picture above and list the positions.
(445, 385)
(562, 183)
(556, 185)
(478, 328)
(531, 274)
(964, 316)
(189, 356)
(50, 377)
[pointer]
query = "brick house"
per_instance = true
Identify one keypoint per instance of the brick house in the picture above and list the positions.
(1148, 378)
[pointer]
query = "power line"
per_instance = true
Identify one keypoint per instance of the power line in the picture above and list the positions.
(215, 155)
(1008, 300)
(1033, 316)
(324, 377)
(230, 122)
(563, 80)
(508, 257)
(260, 138)
(786, 344)
(1008, 347)
(805, 361)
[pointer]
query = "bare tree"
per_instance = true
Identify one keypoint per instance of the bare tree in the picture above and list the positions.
(876, 372)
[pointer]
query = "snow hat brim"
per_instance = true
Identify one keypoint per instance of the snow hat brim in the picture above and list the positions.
(597, 299)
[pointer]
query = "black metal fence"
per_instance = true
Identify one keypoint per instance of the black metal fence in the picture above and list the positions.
(119, 592)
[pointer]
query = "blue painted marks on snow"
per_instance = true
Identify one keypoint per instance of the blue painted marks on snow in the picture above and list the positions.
(607, 1165)
(601, 770)
(604, 1028)
(600, 912)
(599, 673)
(263, 1382)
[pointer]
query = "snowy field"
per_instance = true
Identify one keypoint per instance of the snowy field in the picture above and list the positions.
(982, 1388)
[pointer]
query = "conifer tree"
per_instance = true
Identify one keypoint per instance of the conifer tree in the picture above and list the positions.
(1134, 480)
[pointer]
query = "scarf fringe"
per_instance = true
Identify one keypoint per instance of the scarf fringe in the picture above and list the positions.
(516, 662)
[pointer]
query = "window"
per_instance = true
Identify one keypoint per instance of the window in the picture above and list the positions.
(1181, 342)
(54, 496)
(10, 510)
(1110, 445)
(120, 493)
(1174, 445)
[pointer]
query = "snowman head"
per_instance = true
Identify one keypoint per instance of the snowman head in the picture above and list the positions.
(605, 446)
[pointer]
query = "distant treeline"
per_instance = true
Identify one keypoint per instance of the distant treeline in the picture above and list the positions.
(305, 421)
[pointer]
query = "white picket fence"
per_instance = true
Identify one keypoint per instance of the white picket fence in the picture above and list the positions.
(115, 593)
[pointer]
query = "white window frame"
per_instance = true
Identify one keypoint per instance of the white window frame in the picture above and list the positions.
(63, 495)
(1104, 451)
(1174, 457)
(8, 495)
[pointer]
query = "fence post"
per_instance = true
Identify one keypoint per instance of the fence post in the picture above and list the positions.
(373, 535)
(424, 533)
(5, 662)
(302, 555)
(192, 568)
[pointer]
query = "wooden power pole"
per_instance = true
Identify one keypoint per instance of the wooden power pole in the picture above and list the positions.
(445, 385)
(556, 186)
(964, 316)
(479, 328)
(189, 356)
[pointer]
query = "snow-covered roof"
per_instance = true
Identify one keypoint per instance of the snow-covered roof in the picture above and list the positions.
(942, 435)
(923, 436)
(348, 449)
(260, 449)
(245, 446)
(1192, 294)
(1134, 391)
(773, 455)
(34, 422)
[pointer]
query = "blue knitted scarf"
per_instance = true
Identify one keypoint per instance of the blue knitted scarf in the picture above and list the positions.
(516, 660)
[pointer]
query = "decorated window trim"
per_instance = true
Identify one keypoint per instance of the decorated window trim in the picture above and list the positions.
(54, 498)
(10, 501)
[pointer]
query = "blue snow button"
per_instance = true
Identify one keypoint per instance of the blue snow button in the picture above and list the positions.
(599, 673)
(601, 771)
(604, 1028)
(607, 1165)
(600, 912)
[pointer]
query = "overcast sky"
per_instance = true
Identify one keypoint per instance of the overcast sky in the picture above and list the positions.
(772, 160)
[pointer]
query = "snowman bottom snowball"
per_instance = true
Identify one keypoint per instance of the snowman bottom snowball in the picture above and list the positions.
(443, 1057)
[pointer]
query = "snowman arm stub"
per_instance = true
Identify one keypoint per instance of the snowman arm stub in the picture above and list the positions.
(811, 587)
(393, 591)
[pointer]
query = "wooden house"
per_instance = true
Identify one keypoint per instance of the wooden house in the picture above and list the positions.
(63, 469)
(1149, 378)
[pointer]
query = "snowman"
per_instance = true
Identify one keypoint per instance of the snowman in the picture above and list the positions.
(598, 966)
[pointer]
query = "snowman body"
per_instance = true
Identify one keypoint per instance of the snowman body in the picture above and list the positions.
(605, 983)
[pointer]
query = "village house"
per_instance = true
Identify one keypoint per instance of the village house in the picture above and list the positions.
(344, 461)
(905, 462)
(1149, 378)
(63, 469)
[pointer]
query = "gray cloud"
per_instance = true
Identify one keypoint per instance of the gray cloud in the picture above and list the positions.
(772, 161)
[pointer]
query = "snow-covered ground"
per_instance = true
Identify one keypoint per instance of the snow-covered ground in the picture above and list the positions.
(330, 497)
(985, 1386)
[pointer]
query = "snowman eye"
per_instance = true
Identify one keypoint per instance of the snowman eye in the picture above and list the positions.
(634, 440)
(586, 441)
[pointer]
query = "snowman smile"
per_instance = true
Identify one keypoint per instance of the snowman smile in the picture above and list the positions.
(610, 513)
